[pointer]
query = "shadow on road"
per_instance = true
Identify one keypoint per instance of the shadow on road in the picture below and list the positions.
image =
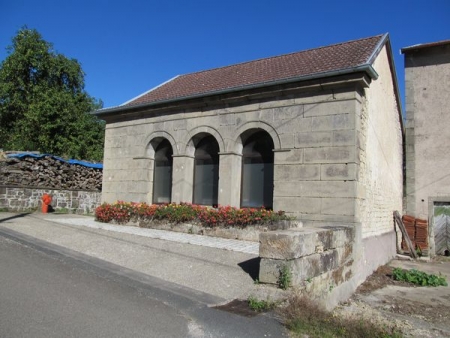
(15, 216)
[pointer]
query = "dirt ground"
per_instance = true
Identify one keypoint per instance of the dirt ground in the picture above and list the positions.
(416, 311)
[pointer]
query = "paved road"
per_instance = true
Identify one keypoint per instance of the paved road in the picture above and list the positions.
(48, 293)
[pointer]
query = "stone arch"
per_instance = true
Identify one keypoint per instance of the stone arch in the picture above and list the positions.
(254, 125)
(152, 141)
(257, 181)
(189, 140)
(162, 170)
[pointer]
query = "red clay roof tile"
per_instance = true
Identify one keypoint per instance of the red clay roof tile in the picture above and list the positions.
(326, 59)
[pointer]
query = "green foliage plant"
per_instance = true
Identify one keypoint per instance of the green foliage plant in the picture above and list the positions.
(419, 251)
(418, 277)
(176, 213)
(285, 277)
(260, 305)
(43, 104)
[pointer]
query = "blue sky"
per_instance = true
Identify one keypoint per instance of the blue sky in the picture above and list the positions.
(128, 47)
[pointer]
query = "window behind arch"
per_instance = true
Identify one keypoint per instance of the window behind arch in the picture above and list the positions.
(257, 171)
(206, 171)
(162, 175)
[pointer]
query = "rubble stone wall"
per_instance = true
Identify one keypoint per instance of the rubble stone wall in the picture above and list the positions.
(29, 199)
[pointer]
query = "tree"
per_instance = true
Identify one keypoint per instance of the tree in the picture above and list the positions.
(43, 104)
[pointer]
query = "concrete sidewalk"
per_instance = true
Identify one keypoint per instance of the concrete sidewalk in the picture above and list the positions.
(224, 269)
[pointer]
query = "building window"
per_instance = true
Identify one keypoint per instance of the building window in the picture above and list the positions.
(206, 171)
(257, 171)
(162, 173)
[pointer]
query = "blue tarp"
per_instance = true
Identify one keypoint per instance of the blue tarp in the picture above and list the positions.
(83, 163)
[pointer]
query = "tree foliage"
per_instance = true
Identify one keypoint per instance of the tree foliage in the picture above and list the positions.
(43, 103)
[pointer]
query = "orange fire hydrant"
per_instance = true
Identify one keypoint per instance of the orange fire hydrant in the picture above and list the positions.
(46, 200)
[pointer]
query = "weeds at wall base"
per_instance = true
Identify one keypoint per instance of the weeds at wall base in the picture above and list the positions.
(304, 317)
(260, 305)
(285, 277)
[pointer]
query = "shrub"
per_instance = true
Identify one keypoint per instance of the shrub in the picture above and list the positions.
(143, 210)
(122, 212)
(176, 213)
(104, 213)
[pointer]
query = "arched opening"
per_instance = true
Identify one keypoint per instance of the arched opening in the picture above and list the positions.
(257, 170)
(206, 170)
(162, 173)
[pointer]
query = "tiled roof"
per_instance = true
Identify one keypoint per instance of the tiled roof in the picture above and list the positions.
(323, 60)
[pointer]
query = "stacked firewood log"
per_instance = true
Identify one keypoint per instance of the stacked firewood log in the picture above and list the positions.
(48, 172)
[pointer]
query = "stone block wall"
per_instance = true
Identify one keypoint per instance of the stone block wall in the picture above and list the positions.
(312, 126)
(319, 259)
(26, 199)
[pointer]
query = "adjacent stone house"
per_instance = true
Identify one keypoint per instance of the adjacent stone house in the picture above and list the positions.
(427, 90)
(316, 133)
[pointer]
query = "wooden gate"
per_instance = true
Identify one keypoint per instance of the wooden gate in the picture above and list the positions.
(442, 228)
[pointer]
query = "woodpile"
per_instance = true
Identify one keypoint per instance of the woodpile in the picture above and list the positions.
(48, 172)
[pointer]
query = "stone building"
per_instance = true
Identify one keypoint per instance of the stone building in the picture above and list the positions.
(316, 133)
(427, 92)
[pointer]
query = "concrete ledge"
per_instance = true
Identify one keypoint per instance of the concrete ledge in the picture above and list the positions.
(247, 233)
